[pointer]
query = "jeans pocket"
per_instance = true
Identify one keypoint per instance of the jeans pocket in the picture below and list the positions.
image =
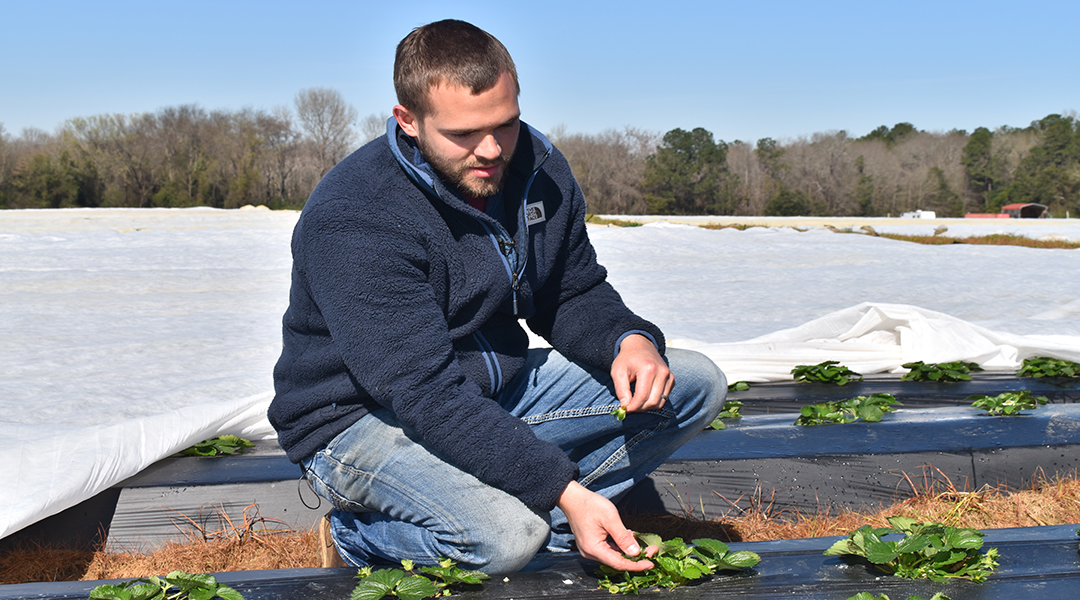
(330, 481)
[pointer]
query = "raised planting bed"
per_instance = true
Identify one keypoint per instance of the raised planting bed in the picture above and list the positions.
(761, 457)
(789, 396)
(1035, 562)
(766, 460)
(182, 495)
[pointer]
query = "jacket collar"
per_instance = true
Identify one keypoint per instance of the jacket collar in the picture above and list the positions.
(532, 150)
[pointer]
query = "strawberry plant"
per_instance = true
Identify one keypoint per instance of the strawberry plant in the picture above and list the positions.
(730, 410)
(177, 585)
(949, 371)
(676, 564)
(738, 386)
(830, 371)
(1007, 404)
(868, 408)
(869, 596)
(927, 550)
(219, 446)
(412, 583)
(1048, 367)
(619, 413)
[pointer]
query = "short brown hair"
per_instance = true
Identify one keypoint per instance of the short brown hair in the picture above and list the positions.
(448, 51)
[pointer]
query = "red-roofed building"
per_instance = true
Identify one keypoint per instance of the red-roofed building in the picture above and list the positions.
(1028, 210)
(1024, 210)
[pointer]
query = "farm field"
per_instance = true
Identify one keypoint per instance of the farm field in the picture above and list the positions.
(133, 333)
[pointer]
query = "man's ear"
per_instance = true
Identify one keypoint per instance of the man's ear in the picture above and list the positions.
(407, 121)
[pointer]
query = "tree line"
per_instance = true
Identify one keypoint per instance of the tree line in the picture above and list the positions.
(888, 171)
(186, 156)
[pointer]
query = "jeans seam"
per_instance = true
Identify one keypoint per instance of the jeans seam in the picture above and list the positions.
(622, 451)
(442, 516)
(587, 411)
(331, 494)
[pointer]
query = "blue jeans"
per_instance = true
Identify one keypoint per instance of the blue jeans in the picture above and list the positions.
(394, 499)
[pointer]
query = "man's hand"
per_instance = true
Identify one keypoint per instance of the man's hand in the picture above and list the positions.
(598, 530)
(639, 364)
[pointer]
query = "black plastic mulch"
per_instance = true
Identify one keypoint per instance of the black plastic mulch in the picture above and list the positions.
(1036, 563)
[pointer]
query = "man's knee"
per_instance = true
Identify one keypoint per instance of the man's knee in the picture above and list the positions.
(698, 381)
(506, 546)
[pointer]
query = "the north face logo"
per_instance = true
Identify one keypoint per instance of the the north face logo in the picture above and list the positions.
(534, 213)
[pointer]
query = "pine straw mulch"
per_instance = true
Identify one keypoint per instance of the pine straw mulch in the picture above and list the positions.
(1047, 502)
(252, 546)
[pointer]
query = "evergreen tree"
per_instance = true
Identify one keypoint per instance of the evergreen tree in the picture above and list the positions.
(864, 189)
(982, 171)
(688, 174)
(788, 203)
(1050, 173)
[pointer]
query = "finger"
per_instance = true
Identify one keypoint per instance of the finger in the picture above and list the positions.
(659, 395)
(620, 562)
(661, 385)
(644, 382)
(621, 379)
(613, 556)
(669, 384)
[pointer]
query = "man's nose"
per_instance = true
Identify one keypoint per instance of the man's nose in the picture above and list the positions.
(489, 148)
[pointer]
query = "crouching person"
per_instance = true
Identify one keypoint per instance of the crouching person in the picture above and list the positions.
(406, 387)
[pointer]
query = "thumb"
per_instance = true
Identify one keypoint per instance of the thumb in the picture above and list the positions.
(626, 542)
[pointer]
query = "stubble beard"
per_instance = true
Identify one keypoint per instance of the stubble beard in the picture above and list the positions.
(457, 174)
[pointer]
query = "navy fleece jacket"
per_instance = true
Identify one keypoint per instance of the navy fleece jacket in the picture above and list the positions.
(404, 296)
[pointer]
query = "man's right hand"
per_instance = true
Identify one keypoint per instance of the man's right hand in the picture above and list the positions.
(599, 531)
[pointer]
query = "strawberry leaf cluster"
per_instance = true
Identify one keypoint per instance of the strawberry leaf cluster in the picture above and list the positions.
(1007, 404)
(948, 371)
(1048, 367)
(830, 371)
(409, 583)
(868, 408)
(676, 564)
(928, 550)
(177, 585)
(219, 446)
(869, 596)
(730, 410)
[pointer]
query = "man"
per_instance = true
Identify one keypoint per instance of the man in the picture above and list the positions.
(406, 388)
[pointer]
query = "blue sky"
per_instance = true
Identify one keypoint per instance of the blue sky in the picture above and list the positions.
(743, 70)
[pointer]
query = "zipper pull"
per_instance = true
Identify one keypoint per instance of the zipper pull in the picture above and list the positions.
(506, 247)
(514, 290)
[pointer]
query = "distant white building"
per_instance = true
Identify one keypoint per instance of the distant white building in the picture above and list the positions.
(919, 214)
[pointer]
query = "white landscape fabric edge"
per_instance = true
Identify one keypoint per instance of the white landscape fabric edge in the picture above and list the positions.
(200, 293)
(55, 470)
(877, 337)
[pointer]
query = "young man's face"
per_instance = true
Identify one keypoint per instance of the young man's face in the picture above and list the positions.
(468, 138)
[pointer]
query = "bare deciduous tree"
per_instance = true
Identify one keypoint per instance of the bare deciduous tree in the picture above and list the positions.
(328, 121)
(608, 166)
(279, 159)
(372, 127)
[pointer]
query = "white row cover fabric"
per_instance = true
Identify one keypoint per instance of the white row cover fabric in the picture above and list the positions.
(131, 334)
(876, 338)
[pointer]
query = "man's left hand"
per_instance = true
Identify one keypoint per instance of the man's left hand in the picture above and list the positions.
(642, 378)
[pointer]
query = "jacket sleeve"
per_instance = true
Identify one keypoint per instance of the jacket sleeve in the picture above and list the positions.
(578, 311)
(367, 275)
